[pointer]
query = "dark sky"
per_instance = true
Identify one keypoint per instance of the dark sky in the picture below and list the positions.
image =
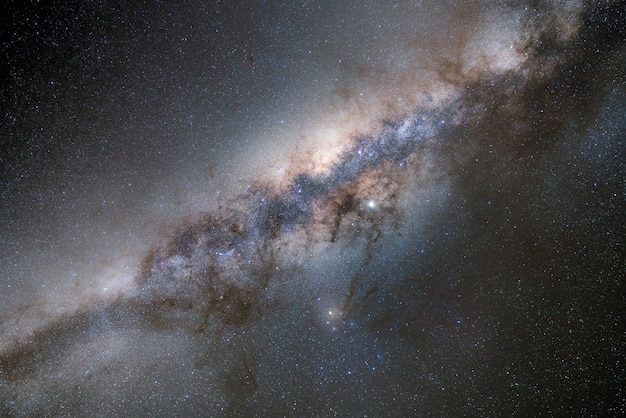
(312, 208)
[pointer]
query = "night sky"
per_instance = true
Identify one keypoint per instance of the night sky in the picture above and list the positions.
(313, 208)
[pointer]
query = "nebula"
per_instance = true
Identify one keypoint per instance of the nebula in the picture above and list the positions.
(453, 247)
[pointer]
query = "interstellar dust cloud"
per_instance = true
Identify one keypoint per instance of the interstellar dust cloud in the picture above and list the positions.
(236, 301)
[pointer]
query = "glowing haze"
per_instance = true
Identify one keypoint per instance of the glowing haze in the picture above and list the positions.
(402, 208)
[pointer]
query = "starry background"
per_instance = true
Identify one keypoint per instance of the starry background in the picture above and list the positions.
(312, 208)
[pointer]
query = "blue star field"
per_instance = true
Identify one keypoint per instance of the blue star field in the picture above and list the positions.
(272, 208)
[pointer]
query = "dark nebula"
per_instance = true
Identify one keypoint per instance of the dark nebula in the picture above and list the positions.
(452, 245)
